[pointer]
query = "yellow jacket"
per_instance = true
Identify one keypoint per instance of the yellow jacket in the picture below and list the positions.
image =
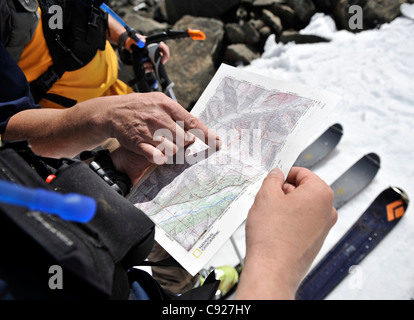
(97, 79)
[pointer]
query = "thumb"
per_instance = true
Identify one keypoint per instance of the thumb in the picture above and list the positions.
(275, 180)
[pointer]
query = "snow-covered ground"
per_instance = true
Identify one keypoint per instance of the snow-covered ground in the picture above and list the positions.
(373, 71)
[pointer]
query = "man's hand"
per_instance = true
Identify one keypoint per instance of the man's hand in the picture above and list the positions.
(135, 119)
(164, 51)
(285, 230)
(130, 163)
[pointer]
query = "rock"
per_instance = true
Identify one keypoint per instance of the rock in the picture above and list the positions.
(234, 33)
(265, 32)
(273, 22)
(375, 12)
(146, 25)
(240, 54)
(267, 3)
(295, 36)
(324, 5)
(341, 12)
(193, 63)
(286, 14)
(244, 33)
(198, 8)
(304, 9)
(252, 35)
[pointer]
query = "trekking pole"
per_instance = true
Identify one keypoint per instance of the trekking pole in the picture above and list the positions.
(150, 48)
(131, 32)
(236, 249)
(152, 44)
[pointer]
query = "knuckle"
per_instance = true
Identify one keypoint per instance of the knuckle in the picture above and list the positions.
(192, 122)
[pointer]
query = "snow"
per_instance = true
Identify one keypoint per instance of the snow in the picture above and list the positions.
(373, 71)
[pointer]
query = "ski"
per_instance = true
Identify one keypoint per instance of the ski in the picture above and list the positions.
(362, 238)
(320, 148)
(355, 179)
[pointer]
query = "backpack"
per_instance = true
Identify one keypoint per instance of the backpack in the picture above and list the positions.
(18, 22)
(97, 259)
(74, 45)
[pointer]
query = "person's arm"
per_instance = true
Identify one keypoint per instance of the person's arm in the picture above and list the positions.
(116, 29)
(56, 132)
(132, 119)
(285, 230)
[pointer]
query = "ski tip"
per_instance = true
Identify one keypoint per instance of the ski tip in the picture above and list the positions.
(397, 204)
(374, 158)
(402, 193)
(338, 127)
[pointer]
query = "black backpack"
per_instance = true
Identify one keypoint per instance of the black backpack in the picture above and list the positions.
(96, 259)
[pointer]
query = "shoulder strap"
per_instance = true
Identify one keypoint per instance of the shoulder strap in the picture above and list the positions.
(84, 32)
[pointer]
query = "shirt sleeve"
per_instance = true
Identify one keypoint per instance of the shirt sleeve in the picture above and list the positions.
(15, 93)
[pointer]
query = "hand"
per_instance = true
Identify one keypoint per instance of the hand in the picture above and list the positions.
(285, 230)
(130, 163)
(164, 52)
(135, 119)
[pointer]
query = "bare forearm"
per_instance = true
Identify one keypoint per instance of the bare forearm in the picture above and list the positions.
(115, 30)
(259, 282)
(57, 132)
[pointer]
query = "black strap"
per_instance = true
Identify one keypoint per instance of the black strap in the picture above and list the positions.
(61, 100)
(169, 262)
(70, 48)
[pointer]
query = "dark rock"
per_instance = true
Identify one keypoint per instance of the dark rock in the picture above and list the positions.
(265, 32)
(304, 9)
(146, 25)
(193, 63)
(295, 36)
(286, 14)
(324, 5)
(198, 8)
(242, 33)
(375, 12)
(240, 53)
(267, 3)
(234, 33)
(272, 21)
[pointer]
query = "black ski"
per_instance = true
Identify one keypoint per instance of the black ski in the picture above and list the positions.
(320, 148)
(355, 179)
(370, 229)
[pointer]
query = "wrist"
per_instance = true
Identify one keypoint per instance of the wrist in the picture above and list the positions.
(263, 279)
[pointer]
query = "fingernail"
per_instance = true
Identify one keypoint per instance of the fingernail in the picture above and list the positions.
(275, 171)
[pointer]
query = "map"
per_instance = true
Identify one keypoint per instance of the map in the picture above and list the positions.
(189, 201)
